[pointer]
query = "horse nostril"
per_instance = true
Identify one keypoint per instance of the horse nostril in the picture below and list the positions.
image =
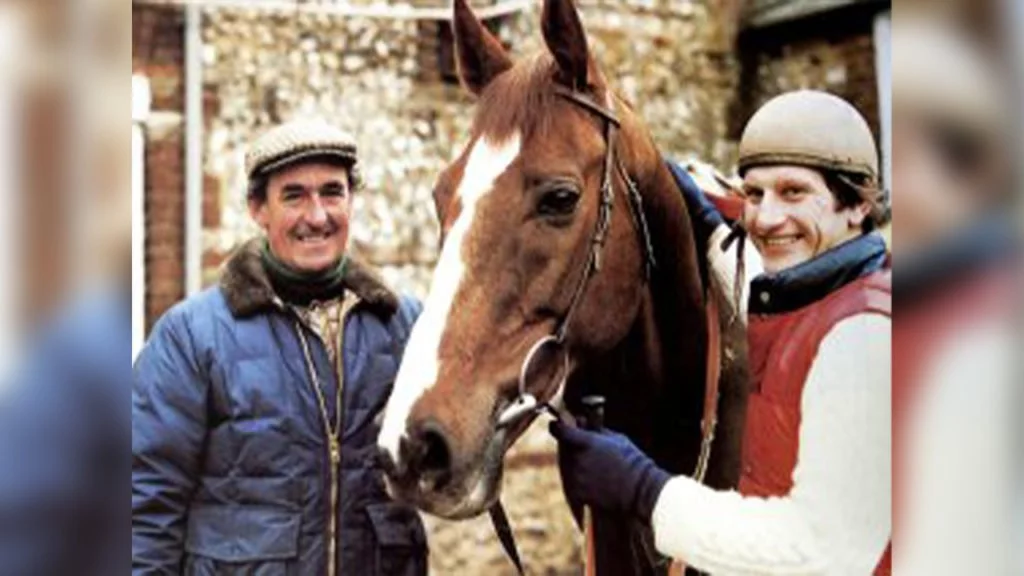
(433, 458)
(437, 456)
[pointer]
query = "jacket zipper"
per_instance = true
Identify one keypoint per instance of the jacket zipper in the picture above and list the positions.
(332, 437)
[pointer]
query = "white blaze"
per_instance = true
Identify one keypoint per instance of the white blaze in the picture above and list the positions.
(419, 367)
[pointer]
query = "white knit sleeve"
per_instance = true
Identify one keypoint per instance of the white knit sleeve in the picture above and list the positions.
(836, 519)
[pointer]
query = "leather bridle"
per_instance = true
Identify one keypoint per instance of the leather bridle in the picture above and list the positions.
(526, 403)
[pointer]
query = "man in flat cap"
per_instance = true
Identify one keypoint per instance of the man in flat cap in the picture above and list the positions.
(814, 487)
(254, 403)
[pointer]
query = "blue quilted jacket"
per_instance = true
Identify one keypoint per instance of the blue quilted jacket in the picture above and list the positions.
(232, 469)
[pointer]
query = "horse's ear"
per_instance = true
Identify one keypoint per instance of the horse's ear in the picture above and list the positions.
(565, 38)
(481, 56)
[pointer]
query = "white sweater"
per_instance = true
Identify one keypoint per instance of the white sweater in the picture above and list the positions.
(837, 517)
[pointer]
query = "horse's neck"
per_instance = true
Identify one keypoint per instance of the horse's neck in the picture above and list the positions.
(678, 317)
(654, 379)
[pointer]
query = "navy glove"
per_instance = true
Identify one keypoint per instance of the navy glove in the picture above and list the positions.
(703, 213)
(604, 469)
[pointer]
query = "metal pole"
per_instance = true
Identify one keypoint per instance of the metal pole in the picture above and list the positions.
(140, 111)
(193, 151)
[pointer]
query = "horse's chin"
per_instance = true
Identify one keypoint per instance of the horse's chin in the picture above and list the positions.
(478, 499)
(469, 495)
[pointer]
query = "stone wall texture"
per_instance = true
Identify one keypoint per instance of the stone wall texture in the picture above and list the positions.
(361, 75)
(386, 81)
(374, 78)
(833, 51)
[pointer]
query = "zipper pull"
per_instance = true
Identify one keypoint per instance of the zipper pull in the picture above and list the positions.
(335, 449)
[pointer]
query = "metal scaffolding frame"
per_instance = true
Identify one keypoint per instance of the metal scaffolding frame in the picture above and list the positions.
(346, 9)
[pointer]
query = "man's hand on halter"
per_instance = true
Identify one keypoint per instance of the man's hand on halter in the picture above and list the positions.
(604, 469)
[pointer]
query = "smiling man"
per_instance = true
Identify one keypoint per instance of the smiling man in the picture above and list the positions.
(815, 484)
(809, 190)
(255, 403)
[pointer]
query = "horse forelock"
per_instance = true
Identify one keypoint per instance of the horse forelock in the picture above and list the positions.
(518, 101)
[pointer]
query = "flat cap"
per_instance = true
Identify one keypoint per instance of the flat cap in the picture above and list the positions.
(297, 140)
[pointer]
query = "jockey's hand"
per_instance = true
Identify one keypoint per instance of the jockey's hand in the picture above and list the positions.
(604, 469)
(703, 213)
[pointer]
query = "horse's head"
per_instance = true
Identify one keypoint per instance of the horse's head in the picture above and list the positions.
(518, 209)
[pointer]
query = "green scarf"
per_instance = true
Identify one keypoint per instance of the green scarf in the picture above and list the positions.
(299, 287)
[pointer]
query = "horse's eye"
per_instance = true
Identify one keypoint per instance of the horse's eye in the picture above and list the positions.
(558, 202)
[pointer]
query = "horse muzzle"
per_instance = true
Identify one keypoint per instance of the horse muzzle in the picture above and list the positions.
(428, 475)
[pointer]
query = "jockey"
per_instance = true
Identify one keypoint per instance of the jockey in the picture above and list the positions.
(814, 493)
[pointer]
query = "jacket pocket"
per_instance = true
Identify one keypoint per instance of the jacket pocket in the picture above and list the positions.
(400, 540)
(228, 540)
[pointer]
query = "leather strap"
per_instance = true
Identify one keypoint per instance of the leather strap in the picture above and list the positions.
(710, 419)
(711, 381)
(504, 530)
(589, 544)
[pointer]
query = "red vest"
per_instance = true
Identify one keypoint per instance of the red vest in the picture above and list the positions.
(782, 349)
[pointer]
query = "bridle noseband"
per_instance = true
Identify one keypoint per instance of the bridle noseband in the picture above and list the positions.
(527, 404)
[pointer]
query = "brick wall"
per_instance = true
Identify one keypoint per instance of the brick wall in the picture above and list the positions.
(158, 54)
(165, 220)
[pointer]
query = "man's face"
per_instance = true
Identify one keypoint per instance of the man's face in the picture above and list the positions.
(306, 215)
(792, 216)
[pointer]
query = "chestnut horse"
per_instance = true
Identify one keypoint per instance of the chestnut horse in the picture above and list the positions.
(567, 251)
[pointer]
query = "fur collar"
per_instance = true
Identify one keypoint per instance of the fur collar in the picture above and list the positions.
(247, 288)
